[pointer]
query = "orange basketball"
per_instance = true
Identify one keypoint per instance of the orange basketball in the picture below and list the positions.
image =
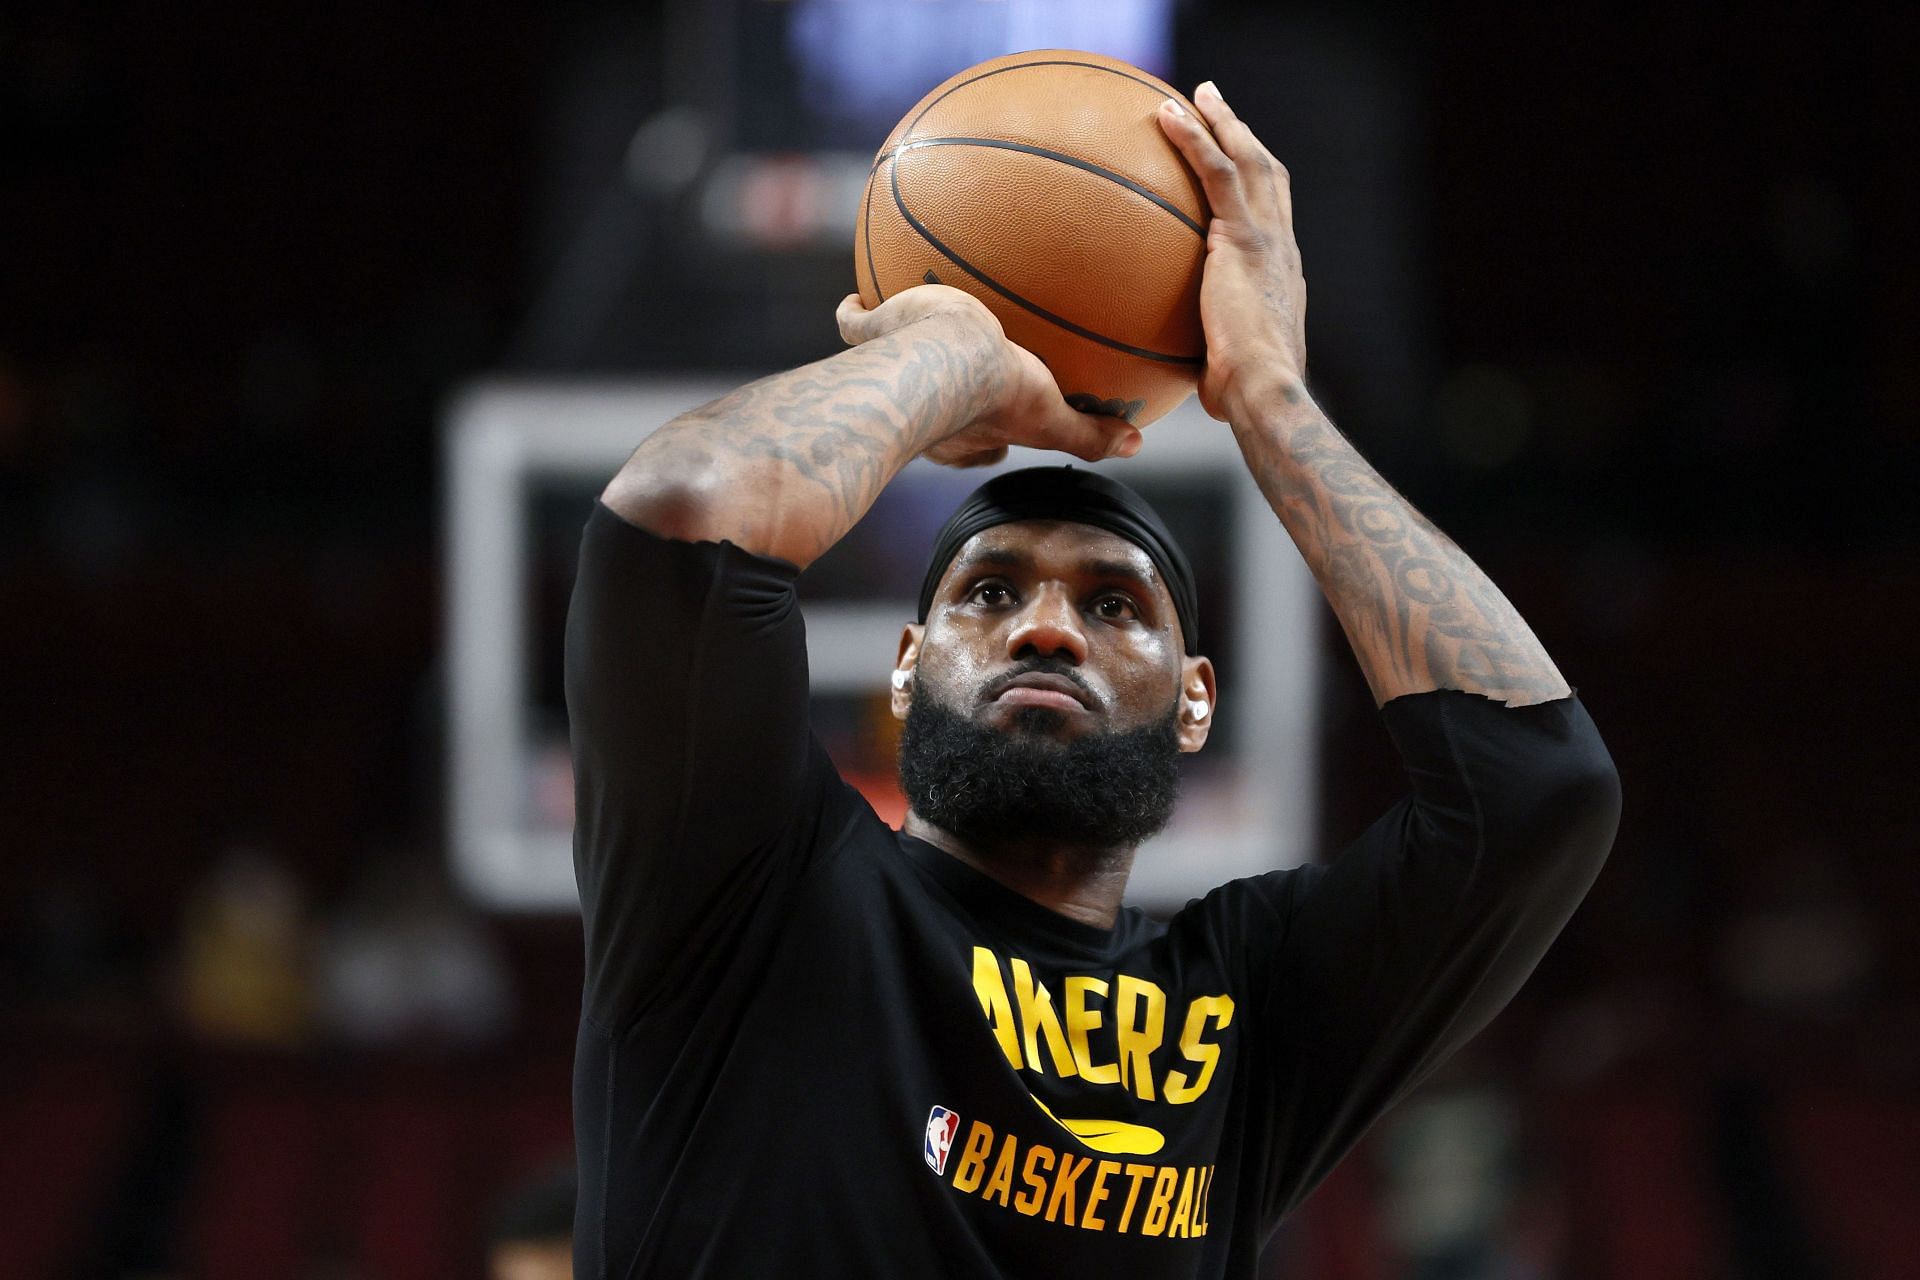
(1041, 184)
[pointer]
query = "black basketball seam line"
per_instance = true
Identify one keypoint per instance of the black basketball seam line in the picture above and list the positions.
(1018, 66)
(1120, 179)
(920, 230)
(969, 268)
(866, 236)
(1044, 62)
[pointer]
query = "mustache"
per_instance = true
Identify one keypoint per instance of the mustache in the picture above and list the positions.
(1040, 667)
(1107, 789)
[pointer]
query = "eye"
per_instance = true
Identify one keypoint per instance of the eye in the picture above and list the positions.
(1116, 607)
(992, 593)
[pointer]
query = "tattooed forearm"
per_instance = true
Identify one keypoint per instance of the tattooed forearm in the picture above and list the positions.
(1418, 613)
(786, 465)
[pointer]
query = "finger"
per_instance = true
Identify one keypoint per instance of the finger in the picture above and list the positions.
(851, 315)
(1089, 436)
(1232, 133)
(1261, 175)
(1219, 177)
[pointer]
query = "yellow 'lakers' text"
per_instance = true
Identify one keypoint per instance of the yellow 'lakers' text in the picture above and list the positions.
(1103, 1032)
(1083, 1191)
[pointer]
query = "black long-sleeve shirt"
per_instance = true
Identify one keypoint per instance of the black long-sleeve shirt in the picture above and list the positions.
(812, 1046)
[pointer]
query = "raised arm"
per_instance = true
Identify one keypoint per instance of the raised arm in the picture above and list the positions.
(1377, 966)
(696, 774)
(785, 466)
(1418, 613)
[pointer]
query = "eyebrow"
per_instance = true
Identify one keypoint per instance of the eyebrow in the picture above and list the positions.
(1008, 559)
(993, 555)
(1121, 569)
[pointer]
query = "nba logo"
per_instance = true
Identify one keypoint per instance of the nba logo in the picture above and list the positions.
(942, 1124)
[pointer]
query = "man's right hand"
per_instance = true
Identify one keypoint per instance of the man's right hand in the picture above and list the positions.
(783, 467)
(1022, 404)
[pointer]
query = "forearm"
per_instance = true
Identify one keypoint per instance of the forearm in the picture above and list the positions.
(1419, 614)
(783, 467)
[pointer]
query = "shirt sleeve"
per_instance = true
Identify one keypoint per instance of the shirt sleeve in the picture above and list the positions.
(694, 767)
(1385, 961)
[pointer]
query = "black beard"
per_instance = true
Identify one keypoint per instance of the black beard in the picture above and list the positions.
(994, 788)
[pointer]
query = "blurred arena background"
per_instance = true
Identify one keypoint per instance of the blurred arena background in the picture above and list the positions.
(1626, 298)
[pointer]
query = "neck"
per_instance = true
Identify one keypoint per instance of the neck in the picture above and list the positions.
(1081, 882)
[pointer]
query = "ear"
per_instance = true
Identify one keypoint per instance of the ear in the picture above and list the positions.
(1199, 699)
(903, 668)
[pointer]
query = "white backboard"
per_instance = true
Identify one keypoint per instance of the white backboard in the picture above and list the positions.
(1248, 808)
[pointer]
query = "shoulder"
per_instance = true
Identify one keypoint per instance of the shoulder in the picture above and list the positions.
(1251, 902)
(1241, 924)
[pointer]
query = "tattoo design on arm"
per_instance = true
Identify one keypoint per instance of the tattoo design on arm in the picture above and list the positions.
(786, 465)
(1419, 614)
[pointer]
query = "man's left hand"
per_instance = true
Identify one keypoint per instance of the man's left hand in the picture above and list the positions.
(1253, 297)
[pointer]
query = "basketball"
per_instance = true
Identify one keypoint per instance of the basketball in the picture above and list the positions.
(1041, 184)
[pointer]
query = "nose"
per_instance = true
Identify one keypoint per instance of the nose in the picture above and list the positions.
(1049, 626)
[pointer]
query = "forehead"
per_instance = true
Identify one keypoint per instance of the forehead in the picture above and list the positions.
(1055, 546)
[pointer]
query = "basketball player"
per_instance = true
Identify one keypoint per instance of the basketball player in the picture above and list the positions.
(812, 1046)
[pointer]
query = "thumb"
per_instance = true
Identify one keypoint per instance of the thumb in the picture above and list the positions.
(853, 318)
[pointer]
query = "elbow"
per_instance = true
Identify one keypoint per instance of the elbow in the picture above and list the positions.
(1590, 798)
(1573, 818)
(1547, 827)
(667, 503)
(680, 494)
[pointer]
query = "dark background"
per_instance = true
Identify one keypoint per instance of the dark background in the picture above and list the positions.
(1649, 359)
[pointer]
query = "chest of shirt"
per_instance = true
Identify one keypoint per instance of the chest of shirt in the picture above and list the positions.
(1049, 1082)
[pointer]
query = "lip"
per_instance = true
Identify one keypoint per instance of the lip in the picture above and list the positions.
(1038, 689)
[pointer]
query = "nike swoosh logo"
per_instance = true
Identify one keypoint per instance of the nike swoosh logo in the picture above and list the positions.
(1110, 1137)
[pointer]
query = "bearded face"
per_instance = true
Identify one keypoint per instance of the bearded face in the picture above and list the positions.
(1019, 778)
(1044, 695)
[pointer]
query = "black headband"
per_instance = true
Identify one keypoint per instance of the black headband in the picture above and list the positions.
(1064, 493)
